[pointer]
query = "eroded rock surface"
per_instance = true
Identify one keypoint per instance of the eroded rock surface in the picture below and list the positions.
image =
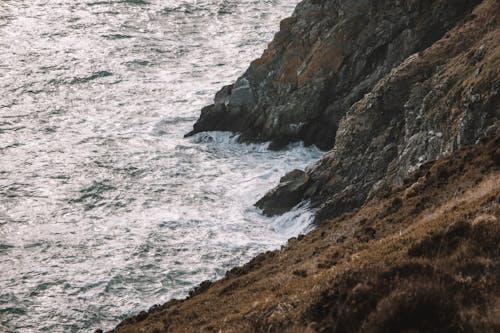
(288, 194)
(434, 102)
(324, 59)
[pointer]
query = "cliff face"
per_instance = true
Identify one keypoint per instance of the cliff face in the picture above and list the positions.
(386, 85)
(326, 57)
(434, 102)
(402, 244)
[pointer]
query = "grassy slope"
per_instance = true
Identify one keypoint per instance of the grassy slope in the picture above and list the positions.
(425, 256)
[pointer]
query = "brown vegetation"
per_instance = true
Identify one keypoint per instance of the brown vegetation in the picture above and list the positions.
(423, 257)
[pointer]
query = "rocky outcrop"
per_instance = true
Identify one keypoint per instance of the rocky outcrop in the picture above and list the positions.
(326, 57)
(402, 244)
(433, 103)
(288, 194)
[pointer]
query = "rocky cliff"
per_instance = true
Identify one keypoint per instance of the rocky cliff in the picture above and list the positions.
(436, 101)
(325, 58)
(402, 244)
(384, 85)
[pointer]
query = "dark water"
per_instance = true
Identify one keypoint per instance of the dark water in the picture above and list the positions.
(105, 209)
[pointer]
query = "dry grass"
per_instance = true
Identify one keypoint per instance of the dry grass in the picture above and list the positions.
(423, 258)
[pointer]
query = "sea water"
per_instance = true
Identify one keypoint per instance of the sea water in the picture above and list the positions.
(105, 209)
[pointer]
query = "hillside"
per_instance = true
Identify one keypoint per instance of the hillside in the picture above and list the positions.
(404, 96)
(422, 258)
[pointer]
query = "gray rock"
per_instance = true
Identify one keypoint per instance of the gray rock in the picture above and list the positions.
(241, 94)
(325, 58)
(288, 193)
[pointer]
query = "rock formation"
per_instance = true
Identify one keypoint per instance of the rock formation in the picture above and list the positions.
(326, 57)
(436, 101)
(402, 244)
(386, 85)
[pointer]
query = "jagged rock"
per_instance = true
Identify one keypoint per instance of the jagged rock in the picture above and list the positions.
(241, 94)
(433, 103)
(288, 193)
(479, 54)
(200, 288)
(142, 316)
(325, 58)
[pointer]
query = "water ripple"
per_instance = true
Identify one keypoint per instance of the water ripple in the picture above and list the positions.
(105, 209)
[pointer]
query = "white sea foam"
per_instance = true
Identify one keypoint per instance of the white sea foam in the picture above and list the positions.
(105, 209)
(295, 222)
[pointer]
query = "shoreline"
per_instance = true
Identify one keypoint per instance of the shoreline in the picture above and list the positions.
(409, 109)
(387, 247)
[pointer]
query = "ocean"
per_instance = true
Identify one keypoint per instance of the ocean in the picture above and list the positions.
(105, 208)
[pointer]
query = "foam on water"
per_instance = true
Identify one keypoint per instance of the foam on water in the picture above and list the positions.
(105, 209)
(295, 222)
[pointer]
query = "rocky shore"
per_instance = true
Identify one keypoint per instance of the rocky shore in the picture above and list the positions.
(404, 96)
(384, 86)
(422, 258)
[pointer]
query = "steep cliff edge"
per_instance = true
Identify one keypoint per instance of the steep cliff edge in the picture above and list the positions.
(431, 104)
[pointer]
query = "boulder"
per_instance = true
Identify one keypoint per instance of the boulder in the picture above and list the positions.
(286, 195)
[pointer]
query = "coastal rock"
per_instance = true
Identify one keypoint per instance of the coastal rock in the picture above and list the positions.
(288, 194)
(431, 104)
(325, 57)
